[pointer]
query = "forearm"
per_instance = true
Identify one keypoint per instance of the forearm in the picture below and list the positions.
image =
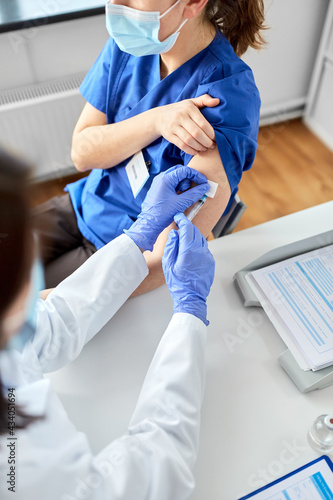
(105, 146)
(155, 276)
(154, 279)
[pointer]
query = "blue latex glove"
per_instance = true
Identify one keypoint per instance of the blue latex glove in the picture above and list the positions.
(162, 203)
(188, 268)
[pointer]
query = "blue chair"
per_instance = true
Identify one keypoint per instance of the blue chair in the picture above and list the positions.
(228, 222)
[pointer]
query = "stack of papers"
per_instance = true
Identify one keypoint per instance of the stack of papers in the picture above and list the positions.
(297, 296)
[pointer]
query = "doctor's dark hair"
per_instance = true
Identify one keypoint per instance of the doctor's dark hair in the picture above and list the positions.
(240, 21)
(16, 252)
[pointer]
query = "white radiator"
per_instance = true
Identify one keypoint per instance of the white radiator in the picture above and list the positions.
(37, 121)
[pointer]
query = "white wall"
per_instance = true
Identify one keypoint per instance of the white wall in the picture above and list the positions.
(41, 128)
(283, 69)
(42, 53)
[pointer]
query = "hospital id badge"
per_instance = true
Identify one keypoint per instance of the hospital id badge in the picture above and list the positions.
(137, 173)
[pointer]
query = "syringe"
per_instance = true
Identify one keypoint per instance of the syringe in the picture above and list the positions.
(196, 208)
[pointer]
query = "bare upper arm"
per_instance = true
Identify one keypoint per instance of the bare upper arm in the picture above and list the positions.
(210, 164)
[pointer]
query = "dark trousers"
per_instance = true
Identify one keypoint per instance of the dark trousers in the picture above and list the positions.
(62, 246)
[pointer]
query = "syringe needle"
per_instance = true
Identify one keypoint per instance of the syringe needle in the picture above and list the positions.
(196, 208)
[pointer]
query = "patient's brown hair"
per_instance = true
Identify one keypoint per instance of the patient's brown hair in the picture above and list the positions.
(240, 21)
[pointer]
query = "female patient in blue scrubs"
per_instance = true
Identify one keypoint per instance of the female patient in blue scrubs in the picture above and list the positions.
(169, 82)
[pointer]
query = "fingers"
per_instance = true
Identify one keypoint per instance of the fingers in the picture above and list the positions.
(193, 254)
(192, 195)
(185, 126)
(184, 185)
(182, 221)
(171, 248)
(206, 100)
(177, 174)
(195, 132)
(183, 146)
(187, 231)
(189, 234)
(199, 119)
(206, 131)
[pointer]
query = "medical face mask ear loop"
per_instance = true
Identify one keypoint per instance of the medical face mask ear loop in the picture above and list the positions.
(167, 12)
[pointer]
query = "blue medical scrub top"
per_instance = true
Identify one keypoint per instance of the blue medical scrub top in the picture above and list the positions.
(122, 86)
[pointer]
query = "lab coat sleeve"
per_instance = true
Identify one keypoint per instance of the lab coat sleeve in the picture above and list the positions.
(155, 460)
(152, 461)
(83, 303)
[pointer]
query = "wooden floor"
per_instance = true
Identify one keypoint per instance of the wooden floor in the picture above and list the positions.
(293, 170)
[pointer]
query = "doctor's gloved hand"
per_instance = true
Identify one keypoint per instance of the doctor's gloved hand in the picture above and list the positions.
(188, 268)
(162, 203)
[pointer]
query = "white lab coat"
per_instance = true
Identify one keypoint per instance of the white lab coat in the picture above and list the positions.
(154, 460)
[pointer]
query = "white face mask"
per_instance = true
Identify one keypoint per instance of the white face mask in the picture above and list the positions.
(136, 31)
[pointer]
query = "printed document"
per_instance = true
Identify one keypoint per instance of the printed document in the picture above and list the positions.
(297, 295)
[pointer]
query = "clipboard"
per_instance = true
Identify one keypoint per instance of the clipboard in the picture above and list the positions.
(305, 381)
(299, 478)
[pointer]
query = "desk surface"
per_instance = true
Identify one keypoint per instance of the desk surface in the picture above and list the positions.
(24, 14)
(254, 419)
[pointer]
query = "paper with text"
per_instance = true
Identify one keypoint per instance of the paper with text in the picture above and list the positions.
(297, 295)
